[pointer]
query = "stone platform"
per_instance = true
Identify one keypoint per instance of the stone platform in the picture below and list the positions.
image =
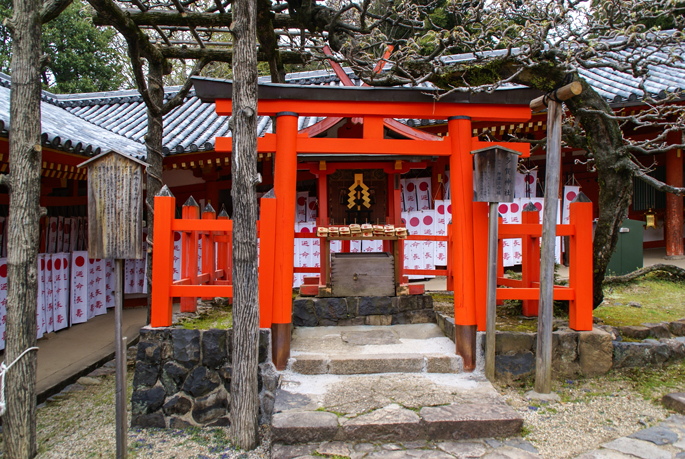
(398, 383)
(372, 310)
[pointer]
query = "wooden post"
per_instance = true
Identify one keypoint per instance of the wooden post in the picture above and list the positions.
(120, 361)
(189, 252)
(461, 186)
(163, 259)
(580, 264)
(673, 220)
(530, 263)
(543, 356)
(491, 293)
(285, 187)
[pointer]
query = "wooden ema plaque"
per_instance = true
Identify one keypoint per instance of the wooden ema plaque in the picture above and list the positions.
(115, 206)
(494, 169)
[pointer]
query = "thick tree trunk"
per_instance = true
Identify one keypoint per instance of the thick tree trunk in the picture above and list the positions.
(23, 233)
(605, 143)
(153, 145)
(244, 396)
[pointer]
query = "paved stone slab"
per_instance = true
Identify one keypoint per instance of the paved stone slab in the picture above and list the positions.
(656, 435)
(637, 448)
(421, 454)
(437, 363)
(465, 449)
(521, 444)
(604, 454)
(370, 337)
(465, 421)
(379, 363)
(675, 401)
(508, 452)
(280, 451)
(303, 426)
(334, 448)
(289, 401)
(387, 424)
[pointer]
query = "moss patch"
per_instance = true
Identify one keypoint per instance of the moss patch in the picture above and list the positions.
(216, 317)
(661, 300)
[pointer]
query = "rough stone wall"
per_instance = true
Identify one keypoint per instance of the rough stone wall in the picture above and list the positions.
(584, 353)
(182, 378)
(377, 310)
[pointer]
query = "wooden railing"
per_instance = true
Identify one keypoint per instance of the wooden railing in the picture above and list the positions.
(579, 289)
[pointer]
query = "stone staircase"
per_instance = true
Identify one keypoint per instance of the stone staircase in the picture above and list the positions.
(397, 383)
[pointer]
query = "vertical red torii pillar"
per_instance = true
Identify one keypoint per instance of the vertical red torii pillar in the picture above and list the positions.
(285, 188)
(463, 266)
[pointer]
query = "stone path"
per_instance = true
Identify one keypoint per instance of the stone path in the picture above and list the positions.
(664, 441)
(514, 448)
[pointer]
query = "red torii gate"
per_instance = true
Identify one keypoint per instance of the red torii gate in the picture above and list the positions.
(469, 220)
(468, 240)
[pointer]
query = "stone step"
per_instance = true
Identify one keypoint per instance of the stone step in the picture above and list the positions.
(376, 363)
(417, 348)
(389, 408)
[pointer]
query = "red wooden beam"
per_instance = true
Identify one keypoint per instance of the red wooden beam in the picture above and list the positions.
(421, 110)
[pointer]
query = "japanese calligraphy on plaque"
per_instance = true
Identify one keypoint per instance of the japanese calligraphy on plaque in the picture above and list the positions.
(494, 169)
(115, 206)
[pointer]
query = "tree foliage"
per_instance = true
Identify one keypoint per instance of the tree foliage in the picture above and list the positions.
(79, 57)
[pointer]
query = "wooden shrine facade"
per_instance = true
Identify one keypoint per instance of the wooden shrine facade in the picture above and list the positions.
(373, 106)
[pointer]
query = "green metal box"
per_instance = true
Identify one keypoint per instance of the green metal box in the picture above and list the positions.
(628, 256)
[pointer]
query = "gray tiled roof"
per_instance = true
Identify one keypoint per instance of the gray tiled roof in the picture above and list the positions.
(118, 119)
(59, 126)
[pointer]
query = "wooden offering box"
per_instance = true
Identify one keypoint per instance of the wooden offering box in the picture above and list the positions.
(362, 274)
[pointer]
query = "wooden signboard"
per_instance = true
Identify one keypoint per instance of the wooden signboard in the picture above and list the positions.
(494, 169)
(115, 206)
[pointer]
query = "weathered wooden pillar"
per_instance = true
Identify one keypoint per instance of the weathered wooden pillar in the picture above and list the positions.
(673, 220)
(461, 187)
(285, 188)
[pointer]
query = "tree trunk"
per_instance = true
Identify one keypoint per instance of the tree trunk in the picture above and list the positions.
(244, 396)
(153, 145)
(605, 143)
(23, 230)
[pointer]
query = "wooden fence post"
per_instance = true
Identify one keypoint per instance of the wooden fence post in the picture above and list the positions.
(162, 259)
(530, 251)
(189, 252)
(580, 264)
(208, 250)
(480, 240)
(222, 251)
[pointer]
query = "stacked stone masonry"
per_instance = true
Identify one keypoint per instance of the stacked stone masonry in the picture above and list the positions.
(183, 378)
(376, 310)
(588, 353)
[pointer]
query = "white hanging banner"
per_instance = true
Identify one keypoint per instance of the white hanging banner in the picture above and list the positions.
(40, 301)
(570, 193)
(60, 288)
(301, 206)
(177, 255)
(99, 287)
(525, 185)
(428, 247)
(60, 235)
(441, 220)
(52, 235)
(446, 184)
(130, 276)
(312, 209)
(3, 300)
(79, 288)
(409, 195)
(507, 244)
(109, 283)
(423, 191)
(66, 236)
(49, 295)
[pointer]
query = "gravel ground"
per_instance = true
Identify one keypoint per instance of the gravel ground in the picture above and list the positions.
(590, 413)
(79, 422)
